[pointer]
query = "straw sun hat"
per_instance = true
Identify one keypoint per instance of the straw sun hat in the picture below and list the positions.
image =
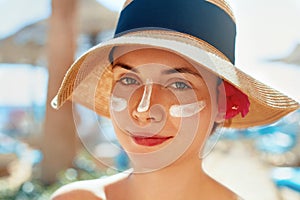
(202, 31)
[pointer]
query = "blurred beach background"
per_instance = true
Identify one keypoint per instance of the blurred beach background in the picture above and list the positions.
(260, 163)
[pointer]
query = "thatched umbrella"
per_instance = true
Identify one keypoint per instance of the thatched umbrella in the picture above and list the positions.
(28, 44)
(94, 18)
(293, 57)
(25, 46)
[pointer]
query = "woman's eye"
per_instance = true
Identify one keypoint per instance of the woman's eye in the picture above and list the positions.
(128, 81)
(180, 85)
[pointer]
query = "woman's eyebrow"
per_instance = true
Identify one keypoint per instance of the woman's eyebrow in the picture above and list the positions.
(181, 70)
(124, 66)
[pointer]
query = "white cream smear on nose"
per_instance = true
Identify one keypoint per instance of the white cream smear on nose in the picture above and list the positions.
(187, 110)
(118, 104)
(145, 101)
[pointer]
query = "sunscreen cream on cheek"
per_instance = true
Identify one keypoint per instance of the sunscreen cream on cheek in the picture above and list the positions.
(118, 104)
(187, 110)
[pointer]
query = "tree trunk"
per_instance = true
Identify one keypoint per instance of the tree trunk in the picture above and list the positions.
(59, 140)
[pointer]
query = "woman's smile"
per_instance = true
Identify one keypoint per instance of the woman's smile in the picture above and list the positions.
(151, 140)
(148, 139)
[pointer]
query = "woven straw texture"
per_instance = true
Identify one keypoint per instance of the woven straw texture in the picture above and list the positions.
(89, 80)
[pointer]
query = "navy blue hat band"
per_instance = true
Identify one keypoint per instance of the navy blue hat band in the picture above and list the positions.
(198, 18)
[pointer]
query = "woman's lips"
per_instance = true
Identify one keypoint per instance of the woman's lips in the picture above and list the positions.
(150, 141)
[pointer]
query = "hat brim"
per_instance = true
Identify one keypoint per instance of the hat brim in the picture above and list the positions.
(89, 73)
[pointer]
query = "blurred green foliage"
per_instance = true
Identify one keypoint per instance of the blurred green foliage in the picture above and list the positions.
(34, 189)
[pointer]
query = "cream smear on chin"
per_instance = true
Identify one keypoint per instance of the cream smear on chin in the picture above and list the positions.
(118, 104)
(187, 110)
(145, 101)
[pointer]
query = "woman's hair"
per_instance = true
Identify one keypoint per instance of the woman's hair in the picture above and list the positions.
(110, 55)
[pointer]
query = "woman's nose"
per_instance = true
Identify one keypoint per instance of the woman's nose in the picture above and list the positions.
(154, 114)
(146, 107)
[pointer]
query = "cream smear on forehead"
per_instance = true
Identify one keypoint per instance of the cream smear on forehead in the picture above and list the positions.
(187, 110)
(118, 104)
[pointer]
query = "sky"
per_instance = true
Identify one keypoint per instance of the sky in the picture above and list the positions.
(27, 84)
(16, 14)
(266, 29)
(41, 9)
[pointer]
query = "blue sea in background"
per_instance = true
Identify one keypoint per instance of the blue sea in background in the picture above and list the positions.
(23, 92)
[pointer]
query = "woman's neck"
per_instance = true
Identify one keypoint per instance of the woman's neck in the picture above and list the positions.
(180, 181)
(177, 181)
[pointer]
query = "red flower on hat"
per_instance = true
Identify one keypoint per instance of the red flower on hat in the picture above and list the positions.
(236, 101)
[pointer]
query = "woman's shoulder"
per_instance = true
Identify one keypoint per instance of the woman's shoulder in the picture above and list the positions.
(87, 189)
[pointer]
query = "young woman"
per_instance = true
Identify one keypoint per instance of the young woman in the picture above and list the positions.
(167, 81)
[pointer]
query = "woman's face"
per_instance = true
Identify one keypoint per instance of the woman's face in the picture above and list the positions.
(162, 107)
